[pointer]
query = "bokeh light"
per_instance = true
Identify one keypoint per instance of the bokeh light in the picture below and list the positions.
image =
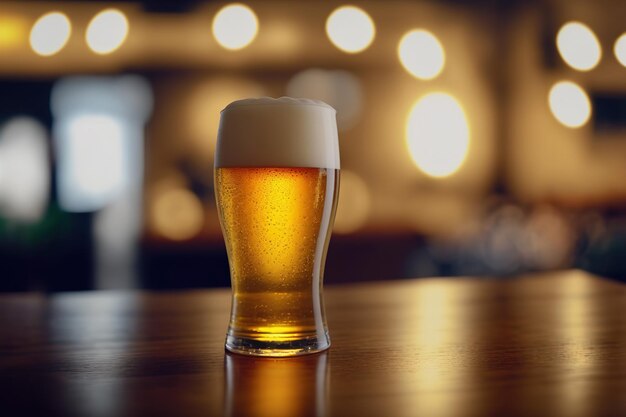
(354, 203)
(235, 26)
(578, 46)
(24, 169)
(177, 214)
(569, 104)
(107, 31)
(620, 49)
(98, 139)
(421, 54)
(438, 135)
(94, 158)
(340, 89)
(50, 33)
(13, 31)
(350, 29)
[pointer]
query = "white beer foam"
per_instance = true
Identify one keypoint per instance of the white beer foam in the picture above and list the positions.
(282, 132)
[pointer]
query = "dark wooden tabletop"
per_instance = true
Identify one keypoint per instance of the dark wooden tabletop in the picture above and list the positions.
(540, 345)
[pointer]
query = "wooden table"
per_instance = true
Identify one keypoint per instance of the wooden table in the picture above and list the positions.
(540, 345)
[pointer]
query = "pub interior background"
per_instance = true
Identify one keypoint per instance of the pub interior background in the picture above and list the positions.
(477, 137)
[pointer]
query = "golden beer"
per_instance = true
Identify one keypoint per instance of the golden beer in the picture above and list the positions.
(276, 222)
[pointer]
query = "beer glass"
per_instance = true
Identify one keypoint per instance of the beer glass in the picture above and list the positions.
(276, 186)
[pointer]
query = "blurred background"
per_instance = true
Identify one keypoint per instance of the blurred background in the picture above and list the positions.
(477, 137)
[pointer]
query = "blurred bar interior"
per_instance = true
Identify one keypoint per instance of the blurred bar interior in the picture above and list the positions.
(477, 137)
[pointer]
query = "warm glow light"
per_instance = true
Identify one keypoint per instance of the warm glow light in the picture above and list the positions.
(350, 29)
(107, 31)
(50, 33)
(578, 46)
(12, 31)
(620, 49)
(177, 214)
(569, 104)
(437, 135)
(354, 203)
(235, 26)
(421, 54)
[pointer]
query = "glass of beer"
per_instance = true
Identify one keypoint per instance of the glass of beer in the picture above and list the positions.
(276, 186)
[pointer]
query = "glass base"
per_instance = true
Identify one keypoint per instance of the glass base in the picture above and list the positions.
(245, 346)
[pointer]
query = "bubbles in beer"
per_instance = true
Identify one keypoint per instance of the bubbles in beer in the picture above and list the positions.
(266, 207)
(275, 222)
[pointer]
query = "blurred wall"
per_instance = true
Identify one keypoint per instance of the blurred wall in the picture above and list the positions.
(525, 177)
(547, 161)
